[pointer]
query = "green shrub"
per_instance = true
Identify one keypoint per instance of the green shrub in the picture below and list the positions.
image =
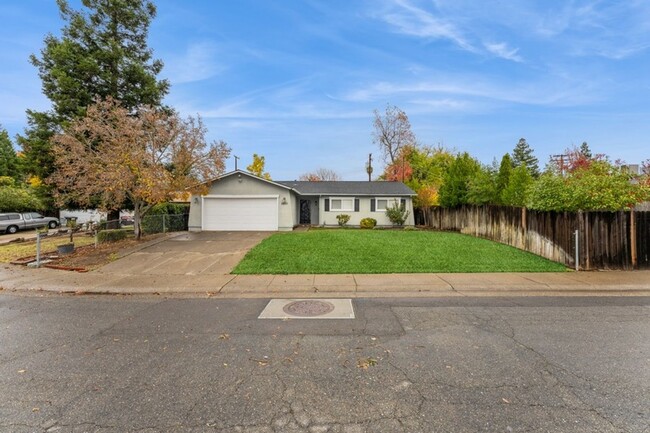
(19, 199)
(343, 219)
(368, 223)
(409, 229)
(113, 235)
(397, 214)
(169, 209)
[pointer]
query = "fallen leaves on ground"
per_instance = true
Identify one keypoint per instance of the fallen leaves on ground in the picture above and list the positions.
(262, 362)
(364, 363)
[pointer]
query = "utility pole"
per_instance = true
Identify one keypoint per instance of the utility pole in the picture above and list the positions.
(369, 167)
(559, 160)
(236, 158)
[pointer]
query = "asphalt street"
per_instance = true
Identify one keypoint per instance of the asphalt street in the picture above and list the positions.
(152, 364)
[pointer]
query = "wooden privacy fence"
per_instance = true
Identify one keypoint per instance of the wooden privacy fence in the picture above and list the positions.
(606, 240)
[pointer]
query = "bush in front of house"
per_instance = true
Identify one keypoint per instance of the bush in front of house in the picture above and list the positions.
(343, 219)
(113, 235)
(368, 223)
(397, 214)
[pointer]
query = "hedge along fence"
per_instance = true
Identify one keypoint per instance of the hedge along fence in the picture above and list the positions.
(164, 223)
(606, 240)
(166, 217)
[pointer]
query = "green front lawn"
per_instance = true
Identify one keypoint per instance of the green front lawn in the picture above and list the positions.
(386, 251)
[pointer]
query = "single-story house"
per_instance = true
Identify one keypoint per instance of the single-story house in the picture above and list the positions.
(241, 201)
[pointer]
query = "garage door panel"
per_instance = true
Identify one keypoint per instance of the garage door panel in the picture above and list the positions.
(240, 214)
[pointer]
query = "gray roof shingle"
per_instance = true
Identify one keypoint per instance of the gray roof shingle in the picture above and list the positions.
(376, 188)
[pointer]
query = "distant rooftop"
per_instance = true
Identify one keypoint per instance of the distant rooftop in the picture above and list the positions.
(349, 188)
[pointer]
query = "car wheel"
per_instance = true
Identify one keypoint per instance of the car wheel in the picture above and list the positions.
(52, 224)
(12, 229)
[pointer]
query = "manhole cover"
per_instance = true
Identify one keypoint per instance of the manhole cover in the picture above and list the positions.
(308, 308)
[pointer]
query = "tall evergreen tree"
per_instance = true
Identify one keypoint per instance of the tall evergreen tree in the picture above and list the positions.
(585, 150)
(38, 159)
(8, 158)
(523, 155)
(102, 51)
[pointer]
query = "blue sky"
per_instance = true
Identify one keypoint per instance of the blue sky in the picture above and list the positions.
(297, 80)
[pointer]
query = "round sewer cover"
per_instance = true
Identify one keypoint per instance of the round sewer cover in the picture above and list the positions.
(308, 308)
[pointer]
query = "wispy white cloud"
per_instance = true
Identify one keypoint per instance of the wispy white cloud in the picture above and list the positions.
(411, 20)
(502, 50)
(433, 23)
(539, 92)
(442, 105)
(198, 62)
(613, 30)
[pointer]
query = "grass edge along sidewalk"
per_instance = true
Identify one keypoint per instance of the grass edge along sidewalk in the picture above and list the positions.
(341, 251)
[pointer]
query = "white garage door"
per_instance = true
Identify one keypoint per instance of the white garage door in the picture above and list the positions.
(240, 213)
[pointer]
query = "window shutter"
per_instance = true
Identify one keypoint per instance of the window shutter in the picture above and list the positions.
(372, 205)
(356, 205)
(327, 205)
(402, 203)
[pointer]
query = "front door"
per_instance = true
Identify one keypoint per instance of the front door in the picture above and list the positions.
(305, 212)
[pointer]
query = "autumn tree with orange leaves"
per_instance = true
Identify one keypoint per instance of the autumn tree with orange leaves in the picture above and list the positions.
(111, 156)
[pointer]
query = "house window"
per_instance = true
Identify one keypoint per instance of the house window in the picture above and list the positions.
(342, 204)
(385, 203)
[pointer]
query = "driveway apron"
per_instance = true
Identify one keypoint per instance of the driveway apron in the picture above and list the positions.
(205, 253)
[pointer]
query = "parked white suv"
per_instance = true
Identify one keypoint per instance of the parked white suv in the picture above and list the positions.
(11, 222)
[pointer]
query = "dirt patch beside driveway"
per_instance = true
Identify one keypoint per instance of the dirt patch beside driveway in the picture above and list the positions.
(205, 253)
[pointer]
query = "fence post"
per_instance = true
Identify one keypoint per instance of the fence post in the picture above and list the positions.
(633, 239)
(38, 249)
(524, 229)
(586, 251)
(581, 229)
(577, 234)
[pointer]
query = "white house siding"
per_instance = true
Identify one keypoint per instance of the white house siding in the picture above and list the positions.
(329, 218)
(241, 184)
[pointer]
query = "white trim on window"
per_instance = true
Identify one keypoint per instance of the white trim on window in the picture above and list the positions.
(386, 202)
(346, 204)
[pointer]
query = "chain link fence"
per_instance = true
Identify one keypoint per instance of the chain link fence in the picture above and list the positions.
(164, 223)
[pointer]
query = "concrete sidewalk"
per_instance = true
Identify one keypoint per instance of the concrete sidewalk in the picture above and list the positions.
(603, 283)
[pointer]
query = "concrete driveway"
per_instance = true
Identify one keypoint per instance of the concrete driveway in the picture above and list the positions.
(205, 253)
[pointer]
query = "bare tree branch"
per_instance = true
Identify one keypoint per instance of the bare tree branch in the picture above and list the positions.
(322, 174)
(392, 132)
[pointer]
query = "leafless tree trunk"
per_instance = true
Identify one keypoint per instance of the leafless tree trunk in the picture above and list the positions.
(392, 132)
